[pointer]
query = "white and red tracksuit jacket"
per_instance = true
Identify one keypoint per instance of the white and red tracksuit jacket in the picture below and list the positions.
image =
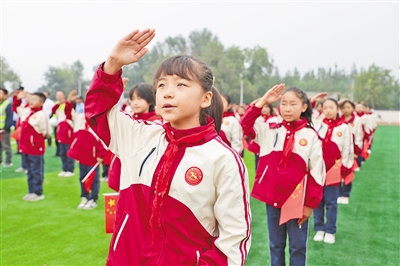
(337, 144)
(206, 216)
(35, 127)
(275, 180)
(366, 125)
(253, 146)
(231, 131)
(357, 132)
(114, 170)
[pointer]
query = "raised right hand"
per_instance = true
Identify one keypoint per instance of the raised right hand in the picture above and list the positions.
(272, 95)
(128, 50)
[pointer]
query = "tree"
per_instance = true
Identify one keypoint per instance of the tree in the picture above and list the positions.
(65, 78)
(377, 88)
(7, 75)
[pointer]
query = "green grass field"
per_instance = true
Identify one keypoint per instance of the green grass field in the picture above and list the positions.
(55, 232)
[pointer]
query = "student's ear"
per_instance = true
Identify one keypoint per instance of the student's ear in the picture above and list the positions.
(207, 97)
(304, 108)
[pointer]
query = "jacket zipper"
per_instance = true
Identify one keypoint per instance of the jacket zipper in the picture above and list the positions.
(145, 159)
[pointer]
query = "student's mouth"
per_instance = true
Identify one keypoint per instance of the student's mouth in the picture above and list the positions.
(168, 106)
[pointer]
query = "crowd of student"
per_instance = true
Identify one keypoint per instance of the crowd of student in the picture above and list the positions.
(183, 188)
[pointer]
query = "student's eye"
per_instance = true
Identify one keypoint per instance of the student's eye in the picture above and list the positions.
(160, 85)
(181, 85)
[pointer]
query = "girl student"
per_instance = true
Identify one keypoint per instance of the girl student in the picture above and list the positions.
(290, 153)
(179, 203)
(354, 123)
(338, 155)
(142, 103)
(231, 131)
(267, 116)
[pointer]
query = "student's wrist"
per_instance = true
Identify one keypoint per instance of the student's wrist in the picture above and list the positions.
(260, 103)
(112, 66)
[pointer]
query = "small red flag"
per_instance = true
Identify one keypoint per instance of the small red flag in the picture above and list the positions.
(333, 176)
(293, 206)
(110, 209)
(364, 153)
(350, 177)
(89, 178)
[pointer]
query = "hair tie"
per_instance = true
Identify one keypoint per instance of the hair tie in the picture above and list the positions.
(213, 80)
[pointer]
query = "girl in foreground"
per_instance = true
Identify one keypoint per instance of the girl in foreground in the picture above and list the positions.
(183, 196)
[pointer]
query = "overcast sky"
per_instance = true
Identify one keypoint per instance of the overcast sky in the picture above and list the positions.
(306, 35)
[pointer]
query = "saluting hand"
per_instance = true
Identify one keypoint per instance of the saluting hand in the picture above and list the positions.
(272, 95)
(128, 50)
(72, 96)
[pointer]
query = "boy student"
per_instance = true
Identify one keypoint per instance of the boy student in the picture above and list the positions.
(35, 128)
(6, 121)
(64, 133)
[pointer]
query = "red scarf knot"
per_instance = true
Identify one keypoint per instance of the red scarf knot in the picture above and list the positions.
(292, 128)
(332, 123)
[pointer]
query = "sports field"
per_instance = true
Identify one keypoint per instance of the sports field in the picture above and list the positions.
(55, 232)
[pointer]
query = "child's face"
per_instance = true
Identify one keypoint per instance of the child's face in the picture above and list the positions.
(35, 102)
(359, 108)
(347, 109)
(227, 106)
(291, 107)
(319, 107)
(330, 110)
(139, 105)
(266, 111)
(179, 101)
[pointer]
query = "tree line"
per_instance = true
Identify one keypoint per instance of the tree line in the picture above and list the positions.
(375, 86)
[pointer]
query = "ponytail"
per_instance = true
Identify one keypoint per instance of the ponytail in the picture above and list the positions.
(215, 110)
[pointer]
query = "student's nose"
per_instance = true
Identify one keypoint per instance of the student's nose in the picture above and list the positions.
(168, 92)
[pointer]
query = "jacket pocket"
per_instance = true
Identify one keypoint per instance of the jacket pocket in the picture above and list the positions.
(120, 232)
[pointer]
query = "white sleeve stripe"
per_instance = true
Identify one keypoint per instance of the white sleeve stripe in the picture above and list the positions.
(239, 161)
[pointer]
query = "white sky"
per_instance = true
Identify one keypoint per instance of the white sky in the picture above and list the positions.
(306, 35)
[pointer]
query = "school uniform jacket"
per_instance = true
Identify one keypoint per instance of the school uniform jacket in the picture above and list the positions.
(35, 127)
(339, 146)
(275, 181)
(86, 147)
(253, 146)
(231, 132)
(205, 219)
(355, 127)
(366, 125)
(114, 170)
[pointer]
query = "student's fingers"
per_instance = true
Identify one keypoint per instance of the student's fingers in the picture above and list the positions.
(301, 221)
(140, 53)
(148, 39)
(130, 35)
(139, 34)
(143, 37)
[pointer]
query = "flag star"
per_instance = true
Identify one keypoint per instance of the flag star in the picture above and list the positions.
(111, 202)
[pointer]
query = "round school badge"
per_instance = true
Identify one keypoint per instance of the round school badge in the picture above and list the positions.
(303, 142)
(339, 134)
(193, 176)
(352, 124)
(226, 123)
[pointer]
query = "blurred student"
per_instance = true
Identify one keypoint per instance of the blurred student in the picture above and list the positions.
(6, 121)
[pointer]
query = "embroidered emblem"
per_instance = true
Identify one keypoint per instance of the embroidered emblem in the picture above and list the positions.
(193, 176)
(226, 123)
(339, 134)
(352, 124)
(303, 142)
(34, 117)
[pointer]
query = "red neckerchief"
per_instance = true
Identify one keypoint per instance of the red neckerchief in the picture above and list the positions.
(350, 121)
(227, 114)
(291, 128)
(266, 117)
(177, 139)
(144, 116)
(332, 123)
(360, 114)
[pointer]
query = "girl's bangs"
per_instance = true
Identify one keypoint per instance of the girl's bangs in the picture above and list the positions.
(181, 66)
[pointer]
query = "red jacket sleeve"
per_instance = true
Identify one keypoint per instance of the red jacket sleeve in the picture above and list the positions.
(15, 103)
(54, 109)
(248, 120)
(103, 94)
(68, 110)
